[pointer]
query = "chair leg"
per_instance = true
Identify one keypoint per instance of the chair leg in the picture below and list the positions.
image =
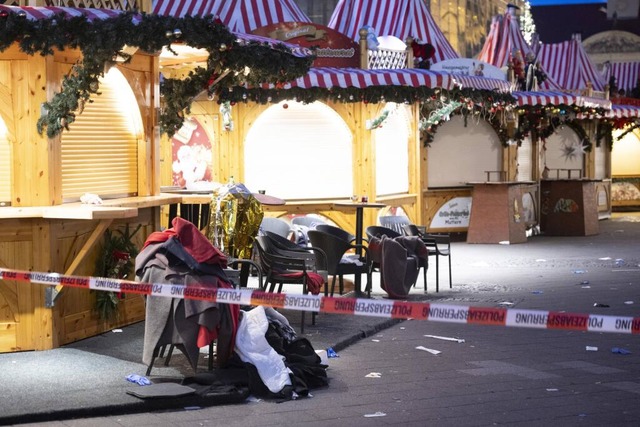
(333, 285)
(450, 282)
(341, 285)
(437, 273)
(211, 355)
(424, 273)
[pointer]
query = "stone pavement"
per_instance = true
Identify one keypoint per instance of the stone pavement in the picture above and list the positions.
(386, 372)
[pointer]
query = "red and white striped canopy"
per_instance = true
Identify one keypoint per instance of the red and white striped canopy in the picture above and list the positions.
(623, 111)
(239, 15)
(626, 74)
(504, 37)
(330, 77)
(35, 13)
(569, 65)
(559, 98)
(399, 18)
(544, 98)
(478, 82)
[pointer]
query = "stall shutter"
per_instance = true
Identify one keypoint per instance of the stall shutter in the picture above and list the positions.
(5, 168)
(99, 152)
(601, 159)
(525, 161)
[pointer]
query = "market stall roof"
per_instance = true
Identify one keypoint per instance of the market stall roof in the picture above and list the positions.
(620, 111)
(504, 37)
(239, 15)
(331, 77)
(399, 18)
(569, 65)
(626, 74)
(35, 13)
(559, 98)
(43, 12)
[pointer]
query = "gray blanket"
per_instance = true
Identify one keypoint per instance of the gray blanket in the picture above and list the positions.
(175, 320)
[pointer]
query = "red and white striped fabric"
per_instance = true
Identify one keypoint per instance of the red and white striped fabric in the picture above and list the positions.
(569, 65)
(623, 111)
(504, 37)
(239, 15)
(399, 18)
(544, 98)
(626, 74)
(477, 82)
(296, 50)
(35, 13)
(330, 77)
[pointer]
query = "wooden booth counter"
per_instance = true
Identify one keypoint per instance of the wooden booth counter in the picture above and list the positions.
(66, 239)
(569, 207)
(498, 212)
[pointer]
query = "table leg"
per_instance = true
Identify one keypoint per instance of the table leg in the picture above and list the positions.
(358, 278)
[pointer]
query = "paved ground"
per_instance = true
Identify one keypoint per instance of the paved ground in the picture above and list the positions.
(496, 376)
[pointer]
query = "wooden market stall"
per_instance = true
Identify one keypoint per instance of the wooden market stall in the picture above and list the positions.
(81, 164)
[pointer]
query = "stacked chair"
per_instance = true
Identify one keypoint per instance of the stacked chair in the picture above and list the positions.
(283, 264)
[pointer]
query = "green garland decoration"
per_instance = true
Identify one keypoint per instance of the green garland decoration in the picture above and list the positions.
(116, 261)
(481, 103)
(101, 41)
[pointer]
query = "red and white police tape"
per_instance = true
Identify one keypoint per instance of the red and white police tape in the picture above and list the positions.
(538, 319)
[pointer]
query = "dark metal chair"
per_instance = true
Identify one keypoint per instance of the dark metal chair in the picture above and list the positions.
(379, 231)
(335, 248)
(280, 267)
(437, 244)
(394, 222)
(336, 231)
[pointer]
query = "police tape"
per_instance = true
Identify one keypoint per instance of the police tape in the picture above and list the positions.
(537, 319)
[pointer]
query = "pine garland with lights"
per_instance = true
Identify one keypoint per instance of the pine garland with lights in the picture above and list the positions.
(101, 41)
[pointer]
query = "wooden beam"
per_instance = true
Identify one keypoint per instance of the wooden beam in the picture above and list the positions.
(93, 238)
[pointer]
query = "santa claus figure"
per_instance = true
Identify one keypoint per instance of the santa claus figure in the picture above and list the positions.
(422, 54)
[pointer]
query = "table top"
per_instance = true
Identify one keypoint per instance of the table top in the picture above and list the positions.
(361, 204)
(264, 199)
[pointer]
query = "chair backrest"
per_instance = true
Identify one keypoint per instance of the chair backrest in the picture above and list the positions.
(411, 230)
(336, 231)
(275, 225)
(379, 231)
(333, 246)
(307, 221)
(280, 241)
(280, 246)
(394, 222)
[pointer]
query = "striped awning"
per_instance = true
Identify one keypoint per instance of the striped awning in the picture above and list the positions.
(239, 15)
(623, 111)
(36, 13)
(559, 98)
(544, 98)
(329, 77)
(399, 18)
(296, 50)
(477, 82)
(569, 65)
(626, 74)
